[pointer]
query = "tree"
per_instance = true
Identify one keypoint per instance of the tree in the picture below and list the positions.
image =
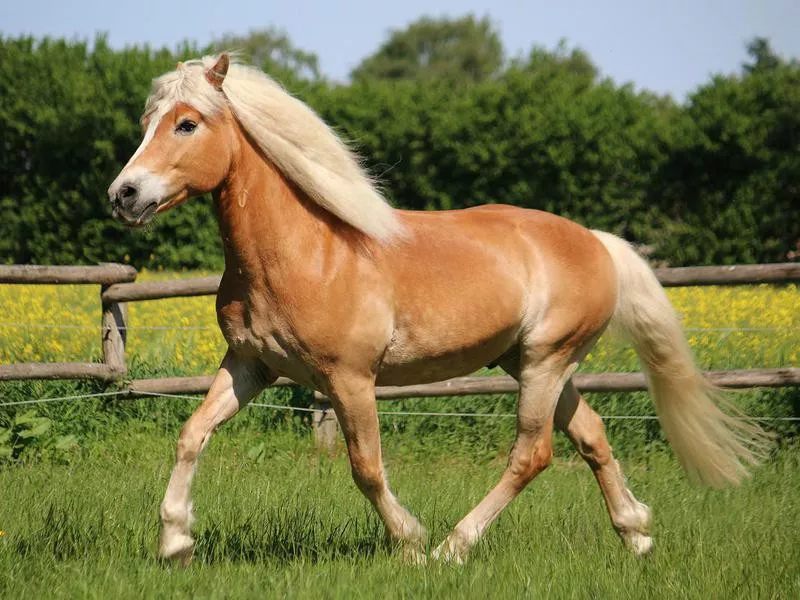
(465, 49)
(561, 61)
(68, 122)
(271, 50)
(763, 56)
(732, 182)
(714, 180)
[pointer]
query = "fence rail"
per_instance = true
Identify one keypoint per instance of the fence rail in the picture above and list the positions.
(729, 275)
(60, 370)
(118, 287)
(500, 384)
(105, 274)
(669, 277)
(156, 290)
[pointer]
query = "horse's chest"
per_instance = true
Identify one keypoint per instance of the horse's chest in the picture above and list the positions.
(251, 339)
(257, 333)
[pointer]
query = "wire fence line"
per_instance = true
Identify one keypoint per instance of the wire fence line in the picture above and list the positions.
(116, 394)
(121, 328)
(60, 399)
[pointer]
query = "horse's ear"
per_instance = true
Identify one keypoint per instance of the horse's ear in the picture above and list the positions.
(216, 74)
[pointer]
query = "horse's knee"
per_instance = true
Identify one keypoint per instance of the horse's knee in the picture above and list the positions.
(189, 445)
(367, 474)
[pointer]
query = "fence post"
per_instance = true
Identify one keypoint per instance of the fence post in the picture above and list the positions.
(324, 423)
(115, 333)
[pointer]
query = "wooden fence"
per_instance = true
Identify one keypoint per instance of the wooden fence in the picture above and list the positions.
(118, 287)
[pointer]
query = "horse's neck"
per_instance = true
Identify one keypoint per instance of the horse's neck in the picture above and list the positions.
(269, 228)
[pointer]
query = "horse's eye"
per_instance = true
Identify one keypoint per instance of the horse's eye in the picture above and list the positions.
(185, 127)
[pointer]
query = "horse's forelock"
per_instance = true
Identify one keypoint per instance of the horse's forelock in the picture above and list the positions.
(185, 84)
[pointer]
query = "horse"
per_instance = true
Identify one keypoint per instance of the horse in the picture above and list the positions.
(329, 285)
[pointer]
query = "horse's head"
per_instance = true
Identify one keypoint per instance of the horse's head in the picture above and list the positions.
(187, 146)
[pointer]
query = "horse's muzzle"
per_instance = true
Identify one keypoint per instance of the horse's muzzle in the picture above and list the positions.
(128, 206)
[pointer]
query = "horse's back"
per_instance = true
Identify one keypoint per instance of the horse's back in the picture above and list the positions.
(542, 247)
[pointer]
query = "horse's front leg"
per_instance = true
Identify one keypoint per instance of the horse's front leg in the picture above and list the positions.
(237, 381)
(353, 399)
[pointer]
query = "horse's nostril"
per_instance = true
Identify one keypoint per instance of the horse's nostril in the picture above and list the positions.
(127, 191)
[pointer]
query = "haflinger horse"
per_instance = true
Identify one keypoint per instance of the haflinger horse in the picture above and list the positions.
(327, 284)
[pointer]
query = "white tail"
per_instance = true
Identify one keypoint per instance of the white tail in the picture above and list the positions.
(714, 446)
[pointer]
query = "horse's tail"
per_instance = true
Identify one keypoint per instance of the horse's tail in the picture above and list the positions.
(714, 446)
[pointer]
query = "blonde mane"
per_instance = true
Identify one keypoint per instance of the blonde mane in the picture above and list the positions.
(290, 134)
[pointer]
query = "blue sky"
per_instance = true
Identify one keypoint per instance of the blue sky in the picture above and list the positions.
(662, 46)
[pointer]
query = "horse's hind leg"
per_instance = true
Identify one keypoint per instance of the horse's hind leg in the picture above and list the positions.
(353, 400)
(234, 385)
(540, 386)
(585, 429)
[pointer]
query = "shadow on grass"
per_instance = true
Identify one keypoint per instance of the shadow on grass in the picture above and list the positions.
(289, 535)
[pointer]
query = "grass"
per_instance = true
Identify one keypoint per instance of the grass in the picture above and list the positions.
(293, 525)
(276, 520)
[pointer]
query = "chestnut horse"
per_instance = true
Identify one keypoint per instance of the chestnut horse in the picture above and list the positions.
(327, 284)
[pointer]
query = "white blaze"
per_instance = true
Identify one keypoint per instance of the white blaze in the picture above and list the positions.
(148, 137)
(149, 185)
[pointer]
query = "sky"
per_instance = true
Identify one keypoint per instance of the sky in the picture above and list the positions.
(667, 47)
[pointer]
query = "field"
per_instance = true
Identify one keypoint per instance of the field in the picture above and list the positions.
(295, 526)
(83, 480)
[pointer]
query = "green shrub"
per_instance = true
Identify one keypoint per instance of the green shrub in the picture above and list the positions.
(712, 181)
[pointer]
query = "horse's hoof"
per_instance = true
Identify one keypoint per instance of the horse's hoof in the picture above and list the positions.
(639, 543)
(450, 552)
(177, 548)
(412, 555)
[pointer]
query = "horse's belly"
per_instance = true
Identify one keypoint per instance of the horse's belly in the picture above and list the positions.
(453, 325)
(407, 362)
(285, 362)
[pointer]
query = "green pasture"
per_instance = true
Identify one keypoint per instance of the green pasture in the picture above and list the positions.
(292, 524)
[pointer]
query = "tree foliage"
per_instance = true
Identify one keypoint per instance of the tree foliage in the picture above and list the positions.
(68, 121)
(563, 61)
(271, 50)
(465, 49)
(712, 181)
(731, 184)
